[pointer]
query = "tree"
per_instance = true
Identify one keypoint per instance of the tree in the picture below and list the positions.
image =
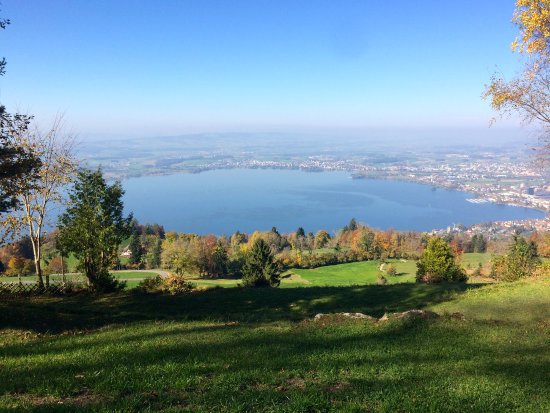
(16, 162)
(259, 269)
(57, 167)
(438, 264)
(93, 226)
(321, 239)
(478, 243)
(352, 226)
(300, 233)
(136, 250)
(18, 266)
(57, 265)
(220, 260)
(3, 24)
(156, 254)
(520, 261)
(529, 94)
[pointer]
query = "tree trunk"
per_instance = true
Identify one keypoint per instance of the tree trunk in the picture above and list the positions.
(38, 269)
(35, 241)
(63, 279)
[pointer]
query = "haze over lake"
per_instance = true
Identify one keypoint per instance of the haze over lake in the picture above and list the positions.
(224, 201)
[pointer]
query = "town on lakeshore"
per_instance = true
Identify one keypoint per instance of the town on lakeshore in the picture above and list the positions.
(497, 174)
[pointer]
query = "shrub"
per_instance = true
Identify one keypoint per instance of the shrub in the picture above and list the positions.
(176, 284)
(521, 261)
(391, 269)
(104, 282)
(151, 285)
(438, 264)
(543, 270)
(381, 280)
(478, 271)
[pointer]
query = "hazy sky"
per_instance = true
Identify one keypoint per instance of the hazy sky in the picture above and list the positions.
(176, 66)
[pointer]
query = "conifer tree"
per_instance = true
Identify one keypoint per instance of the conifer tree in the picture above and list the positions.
(438, 264)
(93, 226)
(259, 269)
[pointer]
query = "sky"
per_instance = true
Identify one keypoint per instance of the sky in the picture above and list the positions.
(146, 68)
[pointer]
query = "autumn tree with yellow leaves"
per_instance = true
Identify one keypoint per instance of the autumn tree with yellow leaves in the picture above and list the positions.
(529, 94)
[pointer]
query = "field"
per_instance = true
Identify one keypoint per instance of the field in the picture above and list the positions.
(232, 350)
(470, 261)
(132, 278)
(358, 273)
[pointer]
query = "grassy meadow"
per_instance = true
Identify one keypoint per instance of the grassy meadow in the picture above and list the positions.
(233, 350)
(132, 278)
(356, 273)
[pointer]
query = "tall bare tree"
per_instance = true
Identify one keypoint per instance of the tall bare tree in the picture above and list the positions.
(58, 164)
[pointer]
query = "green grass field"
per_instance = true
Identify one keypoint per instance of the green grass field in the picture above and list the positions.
(131, 277)
(472, 260)
(356, 273)
(233, 350)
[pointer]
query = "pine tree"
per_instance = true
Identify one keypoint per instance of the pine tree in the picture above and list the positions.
(136, 250)
(521, 260)
(156, 253)
(93, 226)
(259, 269)
(438, 264)
(220, 260)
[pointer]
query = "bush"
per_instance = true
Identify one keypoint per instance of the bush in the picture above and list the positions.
(521, 261)
(176, 284)
(438, 264)
(478, 271)
(151, 285)
(543, 270)
(106, 283)
(381, 280)
(173, 284)
(391, 269)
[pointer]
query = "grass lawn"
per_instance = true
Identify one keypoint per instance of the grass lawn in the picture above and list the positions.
(132, 277)
(356, 273)
(233, 350)
(472, 260)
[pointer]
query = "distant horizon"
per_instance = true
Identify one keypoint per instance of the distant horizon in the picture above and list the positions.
(524, 135)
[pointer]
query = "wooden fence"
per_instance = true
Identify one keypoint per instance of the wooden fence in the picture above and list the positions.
(26, 289)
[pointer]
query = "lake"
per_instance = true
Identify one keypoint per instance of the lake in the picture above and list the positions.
(224, 201)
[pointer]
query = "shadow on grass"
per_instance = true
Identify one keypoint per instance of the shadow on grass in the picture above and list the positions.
(432, 366)
(238, 304)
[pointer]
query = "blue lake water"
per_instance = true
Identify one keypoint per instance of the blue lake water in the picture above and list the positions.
(224, 201)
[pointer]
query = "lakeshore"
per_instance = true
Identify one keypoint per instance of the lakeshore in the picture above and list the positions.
(224, 201)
